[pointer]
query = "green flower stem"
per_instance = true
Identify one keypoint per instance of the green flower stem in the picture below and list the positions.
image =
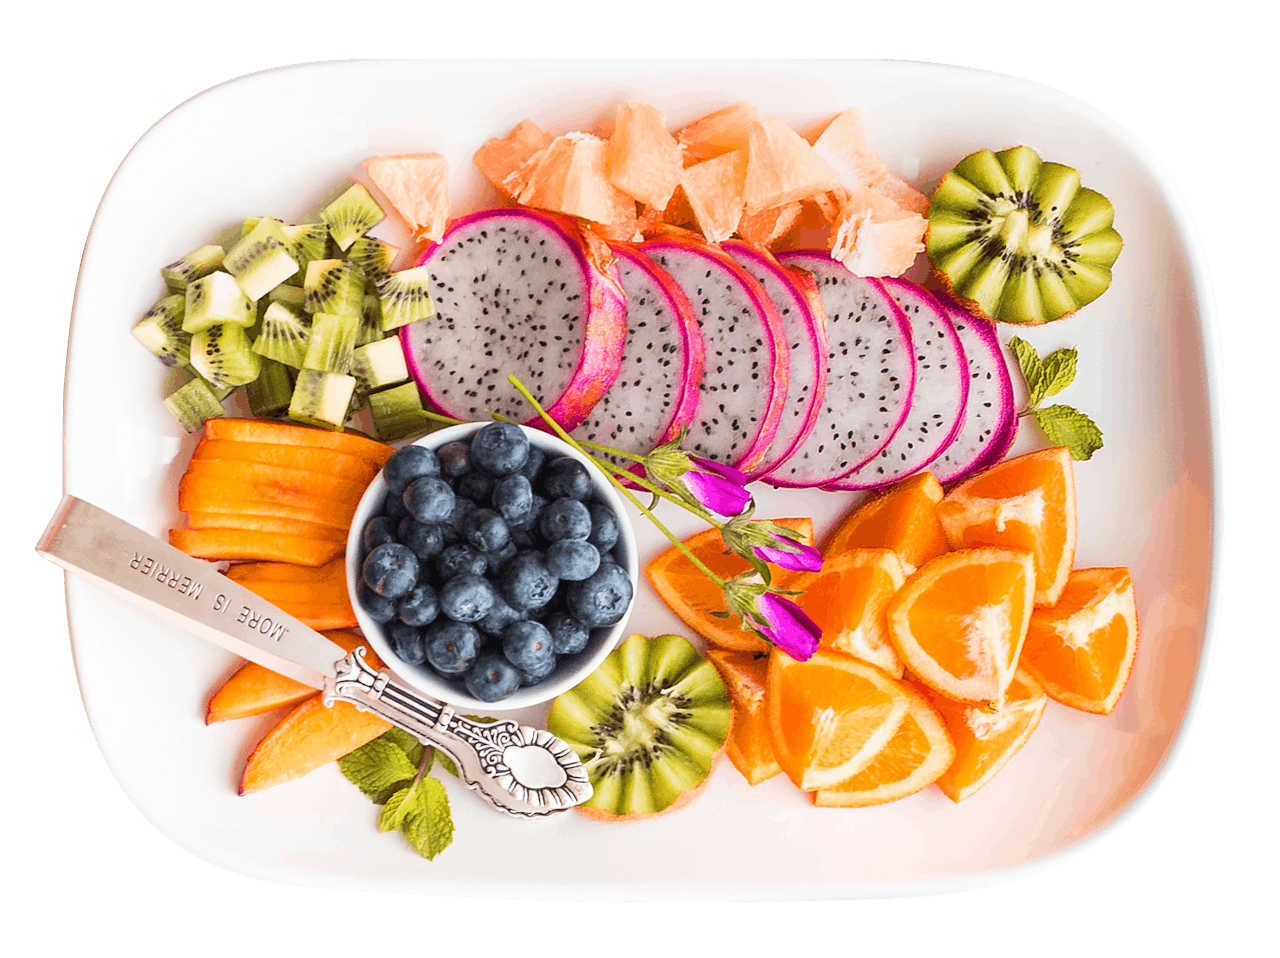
(610, 450)
(620, 487)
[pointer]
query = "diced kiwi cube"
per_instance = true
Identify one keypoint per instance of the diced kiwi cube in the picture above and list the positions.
(351, 215)
(332, 341)
(223, 355)
(397, 413)
(379, 364)
(406, 297)
(193, 404)
(321, 398)
(261, 261)
(201, 262)
(270, 394)
(333, 286)
(214, 299)
(160, 330)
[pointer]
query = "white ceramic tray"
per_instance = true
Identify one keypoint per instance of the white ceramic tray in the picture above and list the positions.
(278, 142)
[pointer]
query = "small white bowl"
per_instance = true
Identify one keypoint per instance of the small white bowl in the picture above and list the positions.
(571, 669)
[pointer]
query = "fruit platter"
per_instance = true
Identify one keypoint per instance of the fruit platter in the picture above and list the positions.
(926, 346)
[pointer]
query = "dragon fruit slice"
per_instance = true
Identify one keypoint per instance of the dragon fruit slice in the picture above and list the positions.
(795, 293)
(938, 401)
(745, 381)
(656, 391)
(870, 375)
(517, 292)
(991, 421)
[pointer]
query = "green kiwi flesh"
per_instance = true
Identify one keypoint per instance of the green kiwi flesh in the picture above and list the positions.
(160, 330)
(331, 343)
(370, 330)
(332, 286)
(216, 299)
(261, 261)
(270, 394)
(201, 262)
(405, 297)
(284, 336)
(647, 724)
(193, 404)
(372, 257)
(321, 398)
(1019, 239)
(378, 365)
(351, 215)
(397, 413)
(223, 355)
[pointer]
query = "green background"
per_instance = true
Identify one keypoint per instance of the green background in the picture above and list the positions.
(85, 868)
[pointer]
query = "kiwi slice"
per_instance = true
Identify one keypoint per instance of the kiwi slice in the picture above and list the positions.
(397, 413)
(193, 404)
(370, 330)
(178, 276)
(1019, 239)
(270, 394)
(160, 330)
(216, 299)
(372, 257)
(331, 343)
(378, 365)
(261, 261)
(405, 297)
(307, 242)
(321, 398)
(351, 215)
(648, 725)
(333, 286)
(223, 355)
(284, 336)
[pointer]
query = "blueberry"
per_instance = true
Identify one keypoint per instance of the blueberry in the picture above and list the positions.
(533, 678)
(491, 678)
(455, 459)
(568, 635)
(485, 530)
(494, 561)
(565, 478)
(499, 617)
(500, 448)
(605, 529)
(396, 509)
(425, 540)
(376, 531)
(601, 599)
(513, 499)
(527, 583)
(452, 647)
(533, 464)
(419, 606)
(429, 499)
(523, 537)
(565, 519)
(476, 486)
(378, 607)
(390, 570)
(467, 597)
(453, 528)
(572, 559)
(539, 506)
(458, 559)
(407, 643)
(408, 464)
(527, 645)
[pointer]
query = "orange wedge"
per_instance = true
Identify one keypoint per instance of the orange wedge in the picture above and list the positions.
(986, 740)
(917, 754)
(960, 620)
(847, 600)
(830, 716)
(904, 518)
(1023, 503)
(1082, 649)
(695, 598)
(750, 746)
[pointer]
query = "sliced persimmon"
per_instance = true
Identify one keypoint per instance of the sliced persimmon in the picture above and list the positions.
(308, 737)
(276, 524)
(318, 597)
(1024, 503)
(903, 518)
(221, 544)
(695, 598)
(750, 744)
(340, 466)
(214, 495)
(847, 600)
(1082, 649)
(960, 620)
(303, 481)
(287, 572)
(263, 430)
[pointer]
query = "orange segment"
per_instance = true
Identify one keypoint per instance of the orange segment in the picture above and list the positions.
(695, 598)
(1082, 649)
(714, 190)
(847, 600)
(830, 716)
(1023, 503)
(904, 518)
(750, 746)
(960, 620)
(986, 740)
(919, 751)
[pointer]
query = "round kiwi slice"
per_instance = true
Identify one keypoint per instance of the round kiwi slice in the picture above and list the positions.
(648, 724)
(1018, 239)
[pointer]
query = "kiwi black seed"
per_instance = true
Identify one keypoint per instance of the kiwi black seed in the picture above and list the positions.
(1018, 240)
(405, 297)
(351, 215)
(647, 724)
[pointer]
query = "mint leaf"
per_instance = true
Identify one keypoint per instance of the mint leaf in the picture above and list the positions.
(377, 768)
(427, 822)
(1059, 371)
(393, 812)
(1032, 369)
(446, 763)
(412, 748)
(1071, 428)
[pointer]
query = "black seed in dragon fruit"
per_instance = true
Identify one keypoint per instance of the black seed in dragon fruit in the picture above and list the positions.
(517, 292)
(870, 375)
(745, 379)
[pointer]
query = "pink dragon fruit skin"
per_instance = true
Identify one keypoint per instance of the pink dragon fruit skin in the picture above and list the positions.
(656, 392)
(747, 367)
(938, 402)
(489, 267)
(804, 324)
(870, 376)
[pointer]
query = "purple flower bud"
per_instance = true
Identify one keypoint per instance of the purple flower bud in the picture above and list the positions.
(716, 492)
(806, 559)
(788, 627)
(726, 472)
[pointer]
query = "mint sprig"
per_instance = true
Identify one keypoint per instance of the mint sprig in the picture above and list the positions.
(1048, 376)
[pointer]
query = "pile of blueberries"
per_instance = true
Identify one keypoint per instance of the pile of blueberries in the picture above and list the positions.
(490, 560)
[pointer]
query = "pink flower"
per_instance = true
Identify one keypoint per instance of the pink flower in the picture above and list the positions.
(803, 559)
(718, 488)
(788, 627)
